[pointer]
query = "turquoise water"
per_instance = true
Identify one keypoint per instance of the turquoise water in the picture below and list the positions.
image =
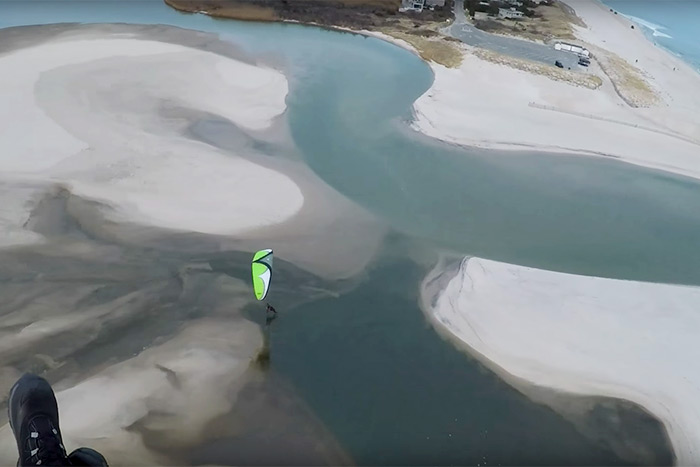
(673, 24)
(375, 373)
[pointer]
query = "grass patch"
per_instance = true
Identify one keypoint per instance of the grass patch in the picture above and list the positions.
(627, 79)
(388, 4)
(239, 10)
(435, 49)
(355, 14)
(246, 13)
(424, 33)
(556, 21)
(551, 22)
(596, 80)
(419, 30)
(577, 79)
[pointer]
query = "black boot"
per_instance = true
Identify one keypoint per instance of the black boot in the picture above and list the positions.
(33, 413)
(87, 457)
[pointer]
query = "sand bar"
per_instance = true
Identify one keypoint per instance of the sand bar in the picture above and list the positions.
(584, 335)
(91, 114)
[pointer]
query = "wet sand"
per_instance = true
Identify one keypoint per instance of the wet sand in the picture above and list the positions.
(107, 277)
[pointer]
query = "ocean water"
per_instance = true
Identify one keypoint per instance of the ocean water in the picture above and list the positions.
(672, 24)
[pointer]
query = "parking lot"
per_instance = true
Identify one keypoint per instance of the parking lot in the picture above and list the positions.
(518, 48)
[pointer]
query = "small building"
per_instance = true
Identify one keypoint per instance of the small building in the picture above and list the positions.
(513, 2)
(511, 13)
(434, 3)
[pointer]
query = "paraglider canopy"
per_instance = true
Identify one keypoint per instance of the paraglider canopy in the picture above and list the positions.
(261, 268)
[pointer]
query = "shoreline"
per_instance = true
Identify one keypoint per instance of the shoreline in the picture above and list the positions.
(574, 130)
(524, 361)
(649, 36)
(532, 387)
(558, 117)
(516, 147)
(425, 47)
(513, 146)
(376, 34)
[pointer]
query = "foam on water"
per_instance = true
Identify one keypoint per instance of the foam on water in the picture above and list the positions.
(671, 24)
(655, 28)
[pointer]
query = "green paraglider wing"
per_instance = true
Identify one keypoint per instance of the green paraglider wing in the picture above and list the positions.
(261, 268)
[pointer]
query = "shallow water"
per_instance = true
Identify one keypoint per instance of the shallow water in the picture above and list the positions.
(394, 393)
(366, 363)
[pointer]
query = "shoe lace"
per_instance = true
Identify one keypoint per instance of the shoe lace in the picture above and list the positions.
(45, 447)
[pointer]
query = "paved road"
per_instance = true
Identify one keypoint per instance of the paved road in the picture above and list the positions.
(518, 48)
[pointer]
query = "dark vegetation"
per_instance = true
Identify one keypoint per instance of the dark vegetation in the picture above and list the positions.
(527, 7)
(347, 13)
(544, 22)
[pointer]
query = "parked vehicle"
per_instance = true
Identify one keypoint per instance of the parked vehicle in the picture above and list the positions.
(558, 64)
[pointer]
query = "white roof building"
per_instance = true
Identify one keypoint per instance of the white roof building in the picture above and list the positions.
(511, 13)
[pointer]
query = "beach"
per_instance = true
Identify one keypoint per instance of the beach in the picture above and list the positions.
(661, 129)
(571, 333)
(583, 335)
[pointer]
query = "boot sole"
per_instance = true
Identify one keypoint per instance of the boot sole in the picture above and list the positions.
(9, 404)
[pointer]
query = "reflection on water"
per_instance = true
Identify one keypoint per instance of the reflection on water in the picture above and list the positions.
(270, 425)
